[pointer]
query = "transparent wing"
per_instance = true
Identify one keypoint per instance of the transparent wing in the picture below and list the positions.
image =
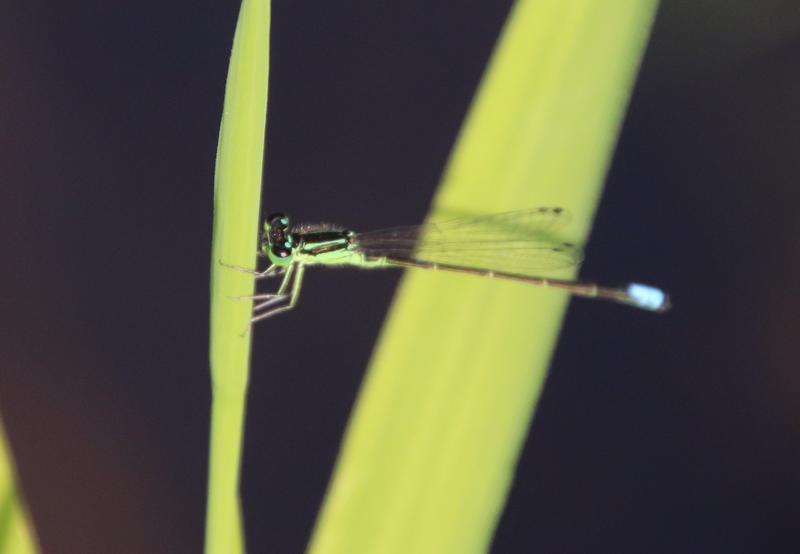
(523, 242)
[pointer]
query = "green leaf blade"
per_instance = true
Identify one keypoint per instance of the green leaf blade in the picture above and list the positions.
(237, 193)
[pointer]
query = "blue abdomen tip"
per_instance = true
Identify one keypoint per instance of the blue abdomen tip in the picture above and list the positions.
(647, 297)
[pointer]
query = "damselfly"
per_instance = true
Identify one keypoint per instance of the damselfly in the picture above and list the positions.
(516, 246)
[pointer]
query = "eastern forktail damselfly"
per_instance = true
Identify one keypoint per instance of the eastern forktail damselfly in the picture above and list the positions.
(517, 246)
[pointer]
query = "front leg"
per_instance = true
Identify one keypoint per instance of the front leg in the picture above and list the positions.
(270, 298)
(271, 271)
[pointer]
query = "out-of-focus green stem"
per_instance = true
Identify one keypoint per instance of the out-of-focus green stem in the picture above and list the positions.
(16, 531)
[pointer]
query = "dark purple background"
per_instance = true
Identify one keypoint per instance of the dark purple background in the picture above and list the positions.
(655, 434)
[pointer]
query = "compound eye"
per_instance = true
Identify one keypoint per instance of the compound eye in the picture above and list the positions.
(278, 225)
(279, 220)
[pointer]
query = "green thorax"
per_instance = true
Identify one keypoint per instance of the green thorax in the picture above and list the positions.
(325, 245)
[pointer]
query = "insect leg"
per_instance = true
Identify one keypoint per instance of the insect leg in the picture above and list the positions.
(293, 297)
(271, 271)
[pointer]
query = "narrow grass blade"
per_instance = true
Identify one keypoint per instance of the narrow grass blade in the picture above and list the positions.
(431, 448)
(237, 191)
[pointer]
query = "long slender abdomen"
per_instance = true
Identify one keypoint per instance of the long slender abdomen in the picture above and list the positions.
(637, 295)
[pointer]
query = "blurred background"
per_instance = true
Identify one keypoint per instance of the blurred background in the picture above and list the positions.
(655, 434)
